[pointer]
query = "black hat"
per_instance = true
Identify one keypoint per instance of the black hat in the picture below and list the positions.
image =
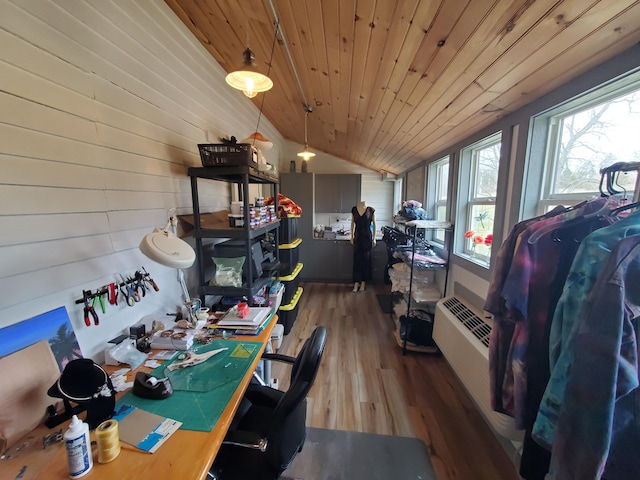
(87, 384)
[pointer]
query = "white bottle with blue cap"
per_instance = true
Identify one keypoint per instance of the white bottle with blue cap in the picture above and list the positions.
(78, 445)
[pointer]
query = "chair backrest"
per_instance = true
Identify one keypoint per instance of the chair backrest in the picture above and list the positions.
(287, 429)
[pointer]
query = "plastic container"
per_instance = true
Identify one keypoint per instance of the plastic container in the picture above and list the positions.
(237, 208)
(291, 283)
(288, 229)
(289, 256)
(78, 446)
(287, 314)
(275, 298)
(227, 155)
(276, 336)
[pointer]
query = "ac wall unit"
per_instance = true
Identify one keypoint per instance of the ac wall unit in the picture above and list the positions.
(462, 334)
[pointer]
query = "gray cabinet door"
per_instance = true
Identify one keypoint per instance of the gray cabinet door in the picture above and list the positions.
(320, 264)
(337, 193)
(344, 261)
(327, 193)
(349, 186)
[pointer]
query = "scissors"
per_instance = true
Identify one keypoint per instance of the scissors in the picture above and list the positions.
(127, 290)
(189, 359)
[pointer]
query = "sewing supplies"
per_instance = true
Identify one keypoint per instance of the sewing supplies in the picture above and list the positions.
(108, 440)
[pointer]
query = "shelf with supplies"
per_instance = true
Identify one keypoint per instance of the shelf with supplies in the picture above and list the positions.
(258, 245)
(414, 261)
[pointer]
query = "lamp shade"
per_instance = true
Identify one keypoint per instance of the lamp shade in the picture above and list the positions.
(247, 78)
(165, 248)
(306, 153)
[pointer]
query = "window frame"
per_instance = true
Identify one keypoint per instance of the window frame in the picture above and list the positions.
(543, 141)
(434, 177)
(467, 187)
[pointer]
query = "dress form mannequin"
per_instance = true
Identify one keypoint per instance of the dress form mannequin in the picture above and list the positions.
(363, 240)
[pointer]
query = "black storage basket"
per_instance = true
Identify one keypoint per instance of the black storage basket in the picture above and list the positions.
(222, 154)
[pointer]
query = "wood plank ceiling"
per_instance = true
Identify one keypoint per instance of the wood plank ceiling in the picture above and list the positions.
(392, 83)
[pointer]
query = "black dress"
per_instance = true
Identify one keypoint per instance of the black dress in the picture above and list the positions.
(362, 244)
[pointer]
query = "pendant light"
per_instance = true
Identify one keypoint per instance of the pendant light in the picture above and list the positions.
(306, 154)
(247, 78)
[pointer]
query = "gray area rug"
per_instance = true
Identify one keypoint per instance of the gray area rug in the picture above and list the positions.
(338, 455)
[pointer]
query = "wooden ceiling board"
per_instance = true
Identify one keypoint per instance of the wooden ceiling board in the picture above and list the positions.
(448, 115)
(405, 37)
(420, 77)
(394, 82)
(470, 59)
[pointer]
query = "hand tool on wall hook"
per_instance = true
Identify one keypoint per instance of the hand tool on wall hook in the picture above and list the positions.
(113, 294)
(89, 312)
(150, 280)
(97, 298)
(127, 291)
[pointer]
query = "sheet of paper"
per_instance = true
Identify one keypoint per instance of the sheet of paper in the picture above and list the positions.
(144, 430)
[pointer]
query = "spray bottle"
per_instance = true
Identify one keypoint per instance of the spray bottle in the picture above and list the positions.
(78, 445)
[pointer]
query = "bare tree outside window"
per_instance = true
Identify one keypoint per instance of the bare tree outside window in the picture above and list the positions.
(593, 139)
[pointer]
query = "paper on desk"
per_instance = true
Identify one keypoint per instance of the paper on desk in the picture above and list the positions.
(144, 430)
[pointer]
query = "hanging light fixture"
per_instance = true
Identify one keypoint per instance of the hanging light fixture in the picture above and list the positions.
(306, 154)
(247, 78)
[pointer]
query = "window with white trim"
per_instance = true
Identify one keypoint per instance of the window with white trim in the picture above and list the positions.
(478, 184)
(437, 194)
(578, 138)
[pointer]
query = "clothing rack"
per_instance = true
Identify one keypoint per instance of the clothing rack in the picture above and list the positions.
(622, 167)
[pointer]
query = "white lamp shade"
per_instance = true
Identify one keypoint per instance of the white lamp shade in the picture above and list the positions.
(165, 248)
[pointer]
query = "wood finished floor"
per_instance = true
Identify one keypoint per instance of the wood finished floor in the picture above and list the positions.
(366, 385)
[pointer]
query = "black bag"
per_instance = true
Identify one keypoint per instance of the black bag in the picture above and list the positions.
(417, 330)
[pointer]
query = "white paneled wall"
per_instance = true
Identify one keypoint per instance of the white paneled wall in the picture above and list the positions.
(102, 105)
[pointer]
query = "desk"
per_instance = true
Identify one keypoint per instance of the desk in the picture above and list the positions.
(185, 455)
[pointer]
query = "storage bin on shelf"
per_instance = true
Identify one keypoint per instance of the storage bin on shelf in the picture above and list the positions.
(291, 283)
(287, 314)
(275, 297)
(289, 255)
(288, 229)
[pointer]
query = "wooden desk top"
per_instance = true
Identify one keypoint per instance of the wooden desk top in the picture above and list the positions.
(185, 455)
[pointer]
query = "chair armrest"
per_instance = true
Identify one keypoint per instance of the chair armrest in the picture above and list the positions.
(242, 438)
(278, 358)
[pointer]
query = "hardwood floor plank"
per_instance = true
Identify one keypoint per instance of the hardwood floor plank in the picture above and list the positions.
(365, 384)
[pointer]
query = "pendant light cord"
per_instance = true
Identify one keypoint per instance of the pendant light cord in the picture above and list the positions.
(286, 48)
(273, 47)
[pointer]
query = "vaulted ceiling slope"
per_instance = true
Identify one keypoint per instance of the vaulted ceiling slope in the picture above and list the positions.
(392, 83)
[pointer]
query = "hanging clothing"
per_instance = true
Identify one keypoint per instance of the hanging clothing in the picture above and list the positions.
(530, 291)
(503, 322)
(362, 244)
(572, 308)
(598, 423)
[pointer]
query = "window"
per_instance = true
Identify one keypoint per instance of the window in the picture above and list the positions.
(579, 138)
(478, 183)
(437, 190)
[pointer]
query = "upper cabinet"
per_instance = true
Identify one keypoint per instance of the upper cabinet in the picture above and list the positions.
(337, 193)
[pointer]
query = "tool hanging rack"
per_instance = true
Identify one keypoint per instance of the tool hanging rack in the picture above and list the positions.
(139, 277)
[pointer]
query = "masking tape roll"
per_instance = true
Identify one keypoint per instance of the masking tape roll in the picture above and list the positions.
(108, 441)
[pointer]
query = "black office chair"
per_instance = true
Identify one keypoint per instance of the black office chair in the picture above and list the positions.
(269, 428)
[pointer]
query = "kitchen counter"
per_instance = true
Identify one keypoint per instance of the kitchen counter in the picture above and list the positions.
(344, 238)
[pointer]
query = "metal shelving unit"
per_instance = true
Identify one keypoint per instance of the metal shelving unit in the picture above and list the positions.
(242, 176)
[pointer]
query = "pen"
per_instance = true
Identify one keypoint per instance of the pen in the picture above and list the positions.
(227, 365)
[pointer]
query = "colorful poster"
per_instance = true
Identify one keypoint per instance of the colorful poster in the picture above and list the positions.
(54, 326)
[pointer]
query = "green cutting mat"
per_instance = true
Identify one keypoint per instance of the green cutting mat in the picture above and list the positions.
(205, 389)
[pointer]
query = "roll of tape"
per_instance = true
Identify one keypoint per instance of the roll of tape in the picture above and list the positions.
(108, 441)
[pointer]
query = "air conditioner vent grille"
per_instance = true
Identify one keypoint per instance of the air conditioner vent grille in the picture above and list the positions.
(480, 329)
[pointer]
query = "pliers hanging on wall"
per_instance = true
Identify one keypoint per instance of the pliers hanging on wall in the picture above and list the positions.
(127, 290)
(89, 311)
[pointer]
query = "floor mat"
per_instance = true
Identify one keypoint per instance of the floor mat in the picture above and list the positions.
(337, 454)
(385, 301)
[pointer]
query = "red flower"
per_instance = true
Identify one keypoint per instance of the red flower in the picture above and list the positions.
(469, 234)
(488, 240)
(478, 239)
